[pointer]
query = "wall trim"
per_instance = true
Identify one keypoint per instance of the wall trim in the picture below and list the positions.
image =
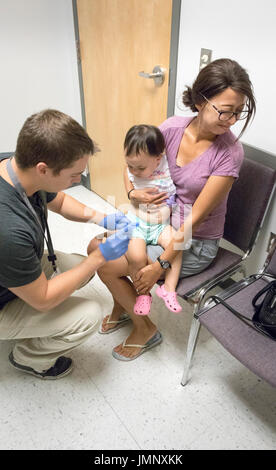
(77, 40)
(176, 11)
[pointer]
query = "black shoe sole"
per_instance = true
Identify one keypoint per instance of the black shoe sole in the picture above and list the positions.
(33, 372)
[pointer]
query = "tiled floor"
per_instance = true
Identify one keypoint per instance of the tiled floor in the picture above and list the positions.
(107, 404)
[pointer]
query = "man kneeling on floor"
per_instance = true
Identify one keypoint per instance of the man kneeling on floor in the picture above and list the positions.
(36, 307)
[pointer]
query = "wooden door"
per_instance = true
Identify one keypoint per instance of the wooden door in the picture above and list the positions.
(119, 39)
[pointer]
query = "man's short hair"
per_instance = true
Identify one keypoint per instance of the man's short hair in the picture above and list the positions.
(54, 138)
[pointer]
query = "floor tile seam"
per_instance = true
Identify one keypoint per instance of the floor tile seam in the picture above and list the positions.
(234, 444)
(219, 423)
(18, 409)
(113, 410)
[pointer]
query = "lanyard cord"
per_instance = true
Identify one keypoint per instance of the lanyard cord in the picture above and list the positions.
(51, 254)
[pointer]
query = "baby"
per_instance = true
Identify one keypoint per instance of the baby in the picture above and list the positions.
(147, 166)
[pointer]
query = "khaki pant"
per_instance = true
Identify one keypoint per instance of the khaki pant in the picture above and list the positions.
(41, 337)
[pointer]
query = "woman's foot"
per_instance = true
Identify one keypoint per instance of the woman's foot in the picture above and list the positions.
(170, 299)
(110, 322)
(108, 325)
(136, 338)
(142, 348)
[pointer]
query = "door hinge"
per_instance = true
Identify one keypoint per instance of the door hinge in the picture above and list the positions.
(78, 51)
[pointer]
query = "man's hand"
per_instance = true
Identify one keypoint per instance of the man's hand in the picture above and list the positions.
(116, 245)
(115, 221)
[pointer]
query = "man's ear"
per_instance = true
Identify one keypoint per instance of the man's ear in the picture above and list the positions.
(42, 168)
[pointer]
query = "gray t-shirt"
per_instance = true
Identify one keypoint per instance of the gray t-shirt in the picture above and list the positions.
(21, 240)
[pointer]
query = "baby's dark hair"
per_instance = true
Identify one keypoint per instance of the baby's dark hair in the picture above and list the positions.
(144, 138)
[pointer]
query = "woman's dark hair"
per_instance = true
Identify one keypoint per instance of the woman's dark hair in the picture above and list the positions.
(54, 138)
(144, 138)
(217, 77)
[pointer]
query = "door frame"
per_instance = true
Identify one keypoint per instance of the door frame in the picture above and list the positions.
(175, 25)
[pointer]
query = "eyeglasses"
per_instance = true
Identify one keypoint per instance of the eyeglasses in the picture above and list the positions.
(227, 115)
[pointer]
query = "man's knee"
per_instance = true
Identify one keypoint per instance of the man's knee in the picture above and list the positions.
(87, 314)
(90, 319)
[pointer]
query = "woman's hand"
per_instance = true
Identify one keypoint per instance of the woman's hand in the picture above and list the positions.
(147, 277)
(147, 196)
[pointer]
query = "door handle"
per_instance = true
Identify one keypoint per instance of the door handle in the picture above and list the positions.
(158, 75)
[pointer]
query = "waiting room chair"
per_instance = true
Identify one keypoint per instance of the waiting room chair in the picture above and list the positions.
(247, 206)
(6, 154)
(255, 350)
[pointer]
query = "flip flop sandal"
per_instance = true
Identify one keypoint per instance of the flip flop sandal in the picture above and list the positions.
(153, 341)
(169, 298)
(142, 305)
(123, 319)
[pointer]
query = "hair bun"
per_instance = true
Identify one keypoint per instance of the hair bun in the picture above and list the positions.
(187, 99)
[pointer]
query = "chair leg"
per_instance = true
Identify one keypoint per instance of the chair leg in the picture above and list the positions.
(190, 349)
(243, 270)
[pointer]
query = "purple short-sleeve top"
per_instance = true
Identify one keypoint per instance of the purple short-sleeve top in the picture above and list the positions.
(223, 158)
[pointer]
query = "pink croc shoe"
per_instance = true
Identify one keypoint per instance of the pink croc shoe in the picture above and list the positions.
(169, 298)
(142, 305)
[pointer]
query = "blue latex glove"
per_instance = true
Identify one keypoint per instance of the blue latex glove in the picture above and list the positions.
(117, 244)
(114, 221)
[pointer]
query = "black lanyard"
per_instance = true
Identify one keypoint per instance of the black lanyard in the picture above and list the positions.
(51, 254)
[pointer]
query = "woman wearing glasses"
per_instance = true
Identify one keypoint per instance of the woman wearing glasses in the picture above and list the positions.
(204, 159)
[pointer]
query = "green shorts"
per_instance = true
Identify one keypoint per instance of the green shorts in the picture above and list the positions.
(148, 232)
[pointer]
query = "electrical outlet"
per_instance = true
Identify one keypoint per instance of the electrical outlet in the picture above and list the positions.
(272, 239)
(205, 58)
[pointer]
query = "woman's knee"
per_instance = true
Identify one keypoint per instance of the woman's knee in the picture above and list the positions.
(113, 269)
(93, 244)
(104, 272)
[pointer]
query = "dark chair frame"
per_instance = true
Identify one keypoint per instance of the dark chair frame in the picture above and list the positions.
(247, 206)
(251, 338)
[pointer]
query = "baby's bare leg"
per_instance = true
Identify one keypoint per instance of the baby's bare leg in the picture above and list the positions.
(172, 275)
(136, 256)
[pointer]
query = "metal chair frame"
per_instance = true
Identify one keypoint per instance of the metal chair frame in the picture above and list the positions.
(198, 295)
(195, 325)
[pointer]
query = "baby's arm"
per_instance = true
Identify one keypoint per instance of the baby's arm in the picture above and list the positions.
(171, 275)
(128, 184)
(149, 195)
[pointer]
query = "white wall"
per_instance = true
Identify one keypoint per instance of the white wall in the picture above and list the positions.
(39, 66)
(243, 30)
(38, 63)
